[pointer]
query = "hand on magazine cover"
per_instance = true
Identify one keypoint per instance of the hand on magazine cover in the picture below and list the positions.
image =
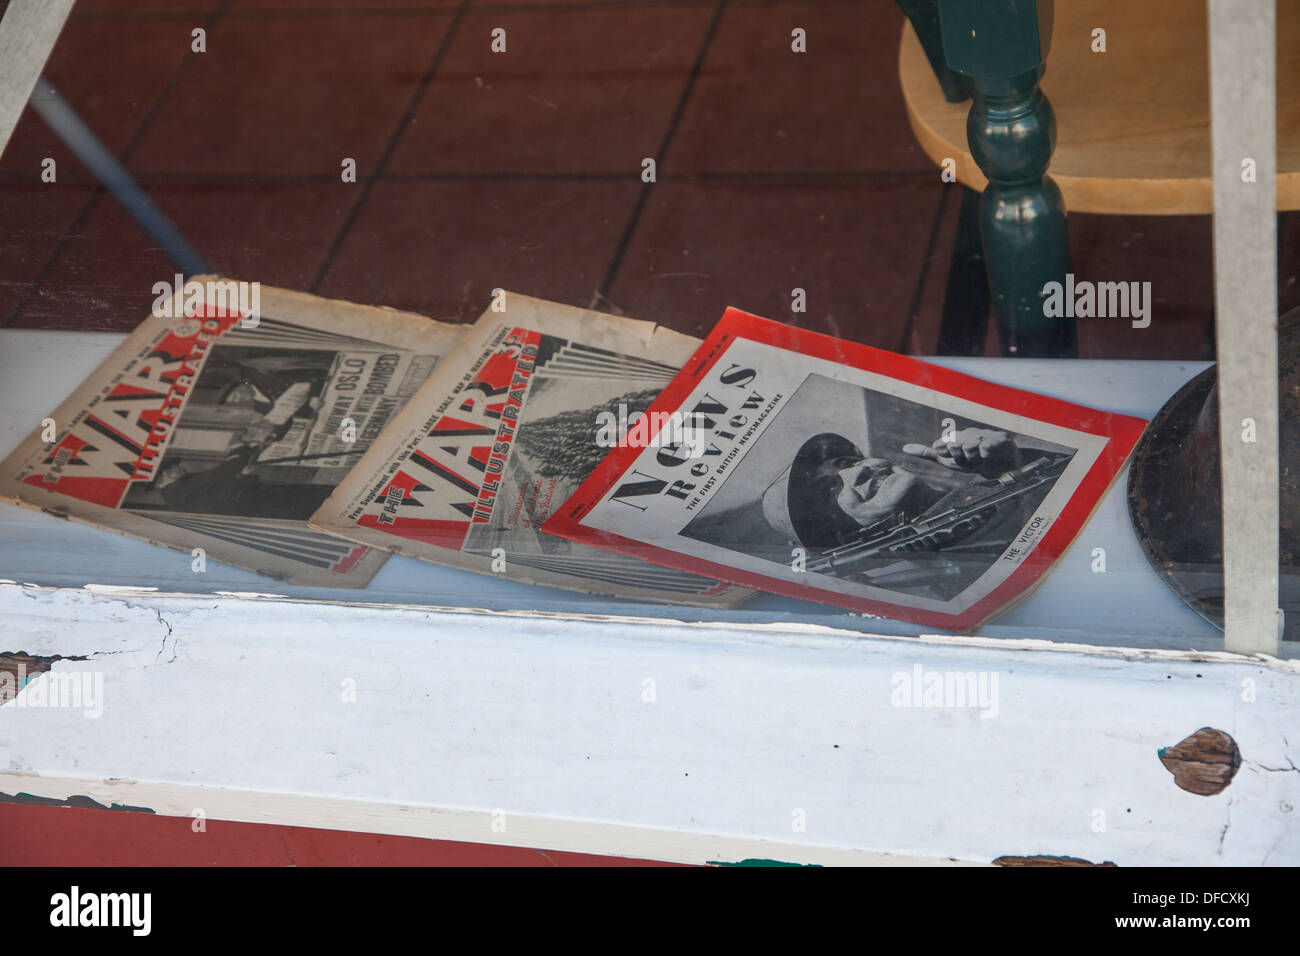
(982, 450)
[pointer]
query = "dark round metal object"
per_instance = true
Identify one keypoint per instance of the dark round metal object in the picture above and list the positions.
(1175, 497)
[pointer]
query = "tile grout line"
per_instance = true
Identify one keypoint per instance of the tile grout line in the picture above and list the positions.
(909, 329)
(558, 6)
(124, 157)
(403, 122)
(10, 178)
(601, 292)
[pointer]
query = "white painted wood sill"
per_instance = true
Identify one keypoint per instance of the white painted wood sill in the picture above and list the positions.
(495, 713)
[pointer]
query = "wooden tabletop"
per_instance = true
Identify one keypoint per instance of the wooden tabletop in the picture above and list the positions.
(1133, 123)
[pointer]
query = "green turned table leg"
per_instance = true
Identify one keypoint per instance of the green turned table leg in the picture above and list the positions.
(924, 15)
(1000, 49)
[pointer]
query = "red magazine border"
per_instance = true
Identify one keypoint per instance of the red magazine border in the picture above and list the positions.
(1121, 431)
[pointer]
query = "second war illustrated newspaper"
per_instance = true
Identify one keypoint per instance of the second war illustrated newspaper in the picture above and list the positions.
(825, 470)
(503, 432)
(217, 428)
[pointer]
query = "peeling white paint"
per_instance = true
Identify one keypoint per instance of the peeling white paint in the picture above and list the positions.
(460, 712)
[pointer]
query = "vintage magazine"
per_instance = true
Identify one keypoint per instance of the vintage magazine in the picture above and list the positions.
(830, 471)
(223, 429)
(506, 430)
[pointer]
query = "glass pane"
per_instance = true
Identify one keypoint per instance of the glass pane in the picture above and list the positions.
(499, 171)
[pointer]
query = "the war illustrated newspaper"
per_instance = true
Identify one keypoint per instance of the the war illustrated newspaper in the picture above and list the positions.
(821, 469)
(224, 420)
(503, 432)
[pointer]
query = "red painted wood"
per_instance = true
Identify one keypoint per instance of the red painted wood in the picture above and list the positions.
(67, 836)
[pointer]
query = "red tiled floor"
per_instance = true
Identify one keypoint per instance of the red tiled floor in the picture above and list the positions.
(273, 233)
(276, 233)
(590, 91)
(110, 72)
(244, 154)
(1174, 254)
(34, 222)
(759, 106)
(934, 284)
(289, 94)
(439, 248)
(243, 6)
(99, 7)
(854, 246)
(591, 4)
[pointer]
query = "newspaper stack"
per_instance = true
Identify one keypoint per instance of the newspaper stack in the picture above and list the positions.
(568, 448)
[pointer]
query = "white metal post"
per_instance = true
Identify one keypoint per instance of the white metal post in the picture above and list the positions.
(1243, 113)
(27, 35)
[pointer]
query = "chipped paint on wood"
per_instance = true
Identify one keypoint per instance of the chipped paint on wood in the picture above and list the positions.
(766, 631)
(470, 727)
(1046, 861)
(23, 666)
(76, 801)
(1203, 763)
(754, 861)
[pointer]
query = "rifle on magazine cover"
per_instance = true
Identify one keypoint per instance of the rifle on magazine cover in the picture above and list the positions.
(897, 538)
